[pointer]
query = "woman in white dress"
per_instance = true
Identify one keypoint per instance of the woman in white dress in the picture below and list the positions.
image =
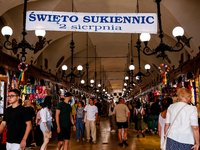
(162, 117)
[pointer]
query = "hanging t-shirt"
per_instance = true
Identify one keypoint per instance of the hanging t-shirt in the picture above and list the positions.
(91, 112)
(79, 112)
(16, 119)
(64, 117)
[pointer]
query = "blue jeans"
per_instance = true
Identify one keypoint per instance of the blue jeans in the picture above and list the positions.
(154, 122)
(79, 126)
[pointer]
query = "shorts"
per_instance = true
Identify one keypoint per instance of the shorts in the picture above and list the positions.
(43, 128)
(64, 134)
(12, 146)
(121, 125)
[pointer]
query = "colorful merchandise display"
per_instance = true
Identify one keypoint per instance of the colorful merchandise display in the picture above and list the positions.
(164, 72)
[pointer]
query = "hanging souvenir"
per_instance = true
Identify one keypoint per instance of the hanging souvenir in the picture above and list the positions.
(27, 90)
(34, 89)
(31, 87)
(22, 76)
(164, 72)
(140, 90)
(14, 82)
(24, 90)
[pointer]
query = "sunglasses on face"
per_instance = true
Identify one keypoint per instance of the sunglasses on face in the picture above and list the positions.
(11, 96)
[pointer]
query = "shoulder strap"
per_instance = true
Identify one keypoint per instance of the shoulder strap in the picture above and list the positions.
(136, 111)
(174, 120)
(140, 109)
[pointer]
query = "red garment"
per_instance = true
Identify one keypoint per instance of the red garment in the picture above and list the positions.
(4, 135)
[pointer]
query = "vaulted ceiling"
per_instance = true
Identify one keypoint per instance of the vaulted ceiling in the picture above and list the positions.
(183, 13)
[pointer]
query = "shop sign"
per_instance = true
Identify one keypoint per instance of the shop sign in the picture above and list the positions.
(92, 22)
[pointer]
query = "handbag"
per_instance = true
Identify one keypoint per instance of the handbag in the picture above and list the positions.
(48, 135)
(165, 140)
(85, 116)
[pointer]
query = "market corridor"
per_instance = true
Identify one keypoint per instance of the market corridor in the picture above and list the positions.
(109, 141)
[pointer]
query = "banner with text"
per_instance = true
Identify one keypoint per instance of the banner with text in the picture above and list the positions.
(92, 22)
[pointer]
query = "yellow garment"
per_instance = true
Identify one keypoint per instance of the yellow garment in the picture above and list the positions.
(74, 108)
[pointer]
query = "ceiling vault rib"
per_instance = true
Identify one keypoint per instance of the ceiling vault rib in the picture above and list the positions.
(106, 57)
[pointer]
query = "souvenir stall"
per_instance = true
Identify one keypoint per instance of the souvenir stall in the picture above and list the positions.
(34, 89)
(184, 81)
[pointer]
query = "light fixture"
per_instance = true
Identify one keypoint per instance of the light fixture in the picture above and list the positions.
(178, 31)
(97, 90)
(92, 81)
(6, 31)
(40, 33)
(147, 66)
(137, 78)
(125, 84)
(72, 75)
(145, 37)
(162, 47)
(79, 68)
(124, 89)
(82, 81)
(99, 85)
(126, 77)
(131, 67)
(104, 90)
(64, 67)
(87, 86)
(23, 45)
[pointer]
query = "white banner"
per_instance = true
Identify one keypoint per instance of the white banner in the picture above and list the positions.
(92, 22)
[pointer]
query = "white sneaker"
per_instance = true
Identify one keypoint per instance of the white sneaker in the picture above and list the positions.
(112, 131)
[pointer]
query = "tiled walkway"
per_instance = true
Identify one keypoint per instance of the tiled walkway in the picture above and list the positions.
(109, 141)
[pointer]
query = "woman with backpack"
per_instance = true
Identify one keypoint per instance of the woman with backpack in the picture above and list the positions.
(78, 116)
(139, 112)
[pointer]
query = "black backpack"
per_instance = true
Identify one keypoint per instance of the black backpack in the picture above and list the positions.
(139, 115)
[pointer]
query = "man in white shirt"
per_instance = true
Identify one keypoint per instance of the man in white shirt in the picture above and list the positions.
(91, 120)
(122, 112)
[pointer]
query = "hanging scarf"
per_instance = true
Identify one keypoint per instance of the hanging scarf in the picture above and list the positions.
(22, 76)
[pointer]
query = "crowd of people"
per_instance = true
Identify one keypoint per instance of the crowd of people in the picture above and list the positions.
(176, 124)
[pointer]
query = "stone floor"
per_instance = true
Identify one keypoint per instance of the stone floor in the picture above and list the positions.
(109, 141)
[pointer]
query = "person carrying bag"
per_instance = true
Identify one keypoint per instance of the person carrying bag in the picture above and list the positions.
(181, 127)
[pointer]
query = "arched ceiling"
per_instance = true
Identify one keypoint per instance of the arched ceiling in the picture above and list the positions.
(174, 13)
